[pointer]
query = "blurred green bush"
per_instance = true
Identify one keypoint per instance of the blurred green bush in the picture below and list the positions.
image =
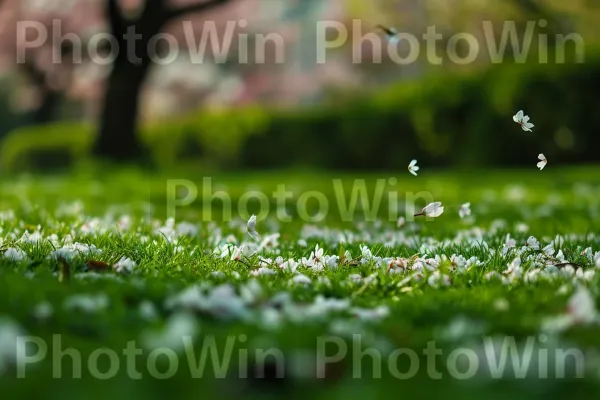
(42, 146)
(445, 120)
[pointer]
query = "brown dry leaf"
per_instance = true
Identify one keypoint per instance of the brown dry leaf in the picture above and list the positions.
(97, 265)
(561, 265)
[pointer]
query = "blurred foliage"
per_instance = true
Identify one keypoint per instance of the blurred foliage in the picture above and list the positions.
(446, 120)
(8, 120)
(41, 146)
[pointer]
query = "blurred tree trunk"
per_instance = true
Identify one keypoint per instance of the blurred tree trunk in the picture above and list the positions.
(117, 138)
(118, 120)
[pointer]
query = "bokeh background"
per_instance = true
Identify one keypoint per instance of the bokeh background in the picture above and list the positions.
(300, 114)
(301, 123)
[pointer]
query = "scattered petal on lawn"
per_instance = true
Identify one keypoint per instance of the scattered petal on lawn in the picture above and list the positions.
(290, 265)
(522, 228)
(438, 279)
(501, 304)
(509, 243)
(71, 250)
(465, 210)
(251, 292)
(190, 298)
(218, 274)
(87, 303)
(15, 255)
(401, 222)
(43, 310)
(270, 318)
(516, 263)
(532, 243)
(224, 303)
(148, 310)
(124, 265)
(375, 314)
(301, 279)
(32, 238)
(187, 229)
(252, 228)
(582, 306)
(581, 310)
(460, 328)
(179, 328)
(11, 348)
(295, 278)
(221, 302)
(262, 271)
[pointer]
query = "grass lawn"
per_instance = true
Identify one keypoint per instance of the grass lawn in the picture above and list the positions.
(349, 304)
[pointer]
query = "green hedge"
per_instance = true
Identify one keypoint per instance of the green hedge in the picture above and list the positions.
(216, 138)
(445, 120)
(56, 145)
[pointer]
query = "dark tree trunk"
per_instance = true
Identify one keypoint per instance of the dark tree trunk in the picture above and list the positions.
(117, 139)
(117, 134)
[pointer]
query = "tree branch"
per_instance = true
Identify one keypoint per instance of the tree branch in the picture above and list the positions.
(205, 6)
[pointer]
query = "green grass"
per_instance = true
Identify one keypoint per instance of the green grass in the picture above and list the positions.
(176, 274)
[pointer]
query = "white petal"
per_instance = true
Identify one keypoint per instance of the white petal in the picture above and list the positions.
(251, 227)
(437, 212)
(412, 172)
(431, 206)
(252, 222)
(433, 209)
(541, 156)
(526, 118)
(518, 116)
(412, 163)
